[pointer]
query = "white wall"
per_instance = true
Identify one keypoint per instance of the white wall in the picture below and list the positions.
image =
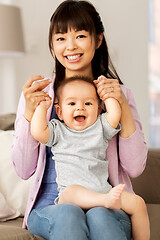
(126, 25)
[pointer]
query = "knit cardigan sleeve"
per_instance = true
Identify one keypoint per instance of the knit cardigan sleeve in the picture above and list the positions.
(25, 149)
(133, 150)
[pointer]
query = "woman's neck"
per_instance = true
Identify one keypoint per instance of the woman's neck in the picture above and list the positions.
(86, 72)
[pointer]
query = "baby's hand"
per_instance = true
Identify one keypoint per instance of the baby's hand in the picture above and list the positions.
(47, 103)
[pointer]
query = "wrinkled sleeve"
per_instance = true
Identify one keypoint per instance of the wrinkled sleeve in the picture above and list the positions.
(133, 150)
(53, 136)
(24, 153)
(108, 130)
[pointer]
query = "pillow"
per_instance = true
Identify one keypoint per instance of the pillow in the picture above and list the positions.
(5, 211)
(13, 190)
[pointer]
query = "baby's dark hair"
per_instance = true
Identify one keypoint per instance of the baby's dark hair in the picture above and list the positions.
(71, 79)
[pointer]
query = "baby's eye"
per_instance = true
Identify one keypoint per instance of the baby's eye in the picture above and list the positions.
(88, 103)
(72, 103)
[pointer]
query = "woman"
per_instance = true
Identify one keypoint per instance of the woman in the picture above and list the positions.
(76, 40)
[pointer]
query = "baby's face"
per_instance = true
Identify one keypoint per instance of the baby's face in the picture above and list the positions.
(78, 103)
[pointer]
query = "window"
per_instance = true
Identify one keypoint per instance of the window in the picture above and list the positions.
(154, 72)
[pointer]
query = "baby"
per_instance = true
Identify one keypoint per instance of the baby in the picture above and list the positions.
(79, 141)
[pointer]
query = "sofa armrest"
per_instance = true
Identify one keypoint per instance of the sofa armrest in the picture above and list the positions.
(148, 184)
(7, 121)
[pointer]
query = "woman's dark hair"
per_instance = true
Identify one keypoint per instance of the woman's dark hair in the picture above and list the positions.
(81, 15)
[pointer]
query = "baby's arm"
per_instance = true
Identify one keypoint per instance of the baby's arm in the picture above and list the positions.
(113, 109)
(39, 127)
(113, 113)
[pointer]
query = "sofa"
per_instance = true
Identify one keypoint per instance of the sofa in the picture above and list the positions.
(14, 191)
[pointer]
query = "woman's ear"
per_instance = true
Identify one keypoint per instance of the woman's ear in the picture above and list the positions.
(59, 112)
(99, 42)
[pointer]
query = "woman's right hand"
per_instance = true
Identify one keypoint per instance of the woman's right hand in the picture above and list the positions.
(34, 94)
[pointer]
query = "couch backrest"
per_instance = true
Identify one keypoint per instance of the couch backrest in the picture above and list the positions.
(148, 184)
(7, 121)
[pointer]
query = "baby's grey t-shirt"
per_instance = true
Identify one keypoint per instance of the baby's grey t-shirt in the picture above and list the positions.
(80, 156)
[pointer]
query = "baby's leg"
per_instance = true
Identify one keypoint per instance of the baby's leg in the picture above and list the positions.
(136, 207)
(87, 199)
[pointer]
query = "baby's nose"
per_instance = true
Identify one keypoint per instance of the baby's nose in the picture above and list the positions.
(80, 107)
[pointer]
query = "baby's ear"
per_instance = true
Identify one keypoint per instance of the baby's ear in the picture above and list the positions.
(59, 111)
(99, 109)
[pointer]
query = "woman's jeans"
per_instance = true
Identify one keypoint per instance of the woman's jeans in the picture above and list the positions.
(69, 222)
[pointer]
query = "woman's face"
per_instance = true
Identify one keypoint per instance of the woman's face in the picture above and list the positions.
(75, 51)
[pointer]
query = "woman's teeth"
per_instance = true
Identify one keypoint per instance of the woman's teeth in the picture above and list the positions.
(73, 57)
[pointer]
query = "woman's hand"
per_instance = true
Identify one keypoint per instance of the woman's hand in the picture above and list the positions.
(109, 88)
(34, 94)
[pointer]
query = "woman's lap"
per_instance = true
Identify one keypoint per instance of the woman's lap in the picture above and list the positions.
(69, 222)
(59, 222)
(109, 224)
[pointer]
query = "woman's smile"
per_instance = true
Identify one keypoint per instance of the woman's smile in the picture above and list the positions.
(73, 58)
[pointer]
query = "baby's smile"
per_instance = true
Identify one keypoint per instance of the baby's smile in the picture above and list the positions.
(80, 118)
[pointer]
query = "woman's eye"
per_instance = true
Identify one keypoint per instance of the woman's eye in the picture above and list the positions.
(60, 39)
(81, 36)
(72, 103)
(88, 103)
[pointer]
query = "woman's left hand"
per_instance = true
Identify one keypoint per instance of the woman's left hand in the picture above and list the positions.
(109, 88)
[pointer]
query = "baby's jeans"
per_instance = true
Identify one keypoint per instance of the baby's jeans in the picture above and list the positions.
(69, 222)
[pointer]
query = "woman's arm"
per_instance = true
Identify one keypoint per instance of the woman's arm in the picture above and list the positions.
(132, 149)
(25, 148)
(132, 146)
(128, 126)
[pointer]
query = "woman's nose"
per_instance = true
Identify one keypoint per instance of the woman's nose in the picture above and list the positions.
(71, 45)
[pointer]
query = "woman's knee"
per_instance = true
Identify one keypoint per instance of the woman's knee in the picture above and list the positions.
(68, 213)
(113, 224)
(62, 221)
(72, 220)
(98, 215)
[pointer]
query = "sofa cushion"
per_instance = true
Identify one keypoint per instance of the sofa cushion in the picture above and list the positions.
(13, 190)
(7, 121)
(5, 210)
(147, 185)
(12, 230)
(154, 218)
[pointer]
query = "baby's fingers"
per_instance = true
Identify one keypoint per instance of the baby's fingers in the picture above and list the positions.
(46, 103)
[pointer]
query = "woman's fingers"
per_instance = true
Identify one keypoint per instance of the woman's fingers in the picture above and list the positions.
(36, 97)
(108, 88)
(36, 83)
(31, 80)
(33, 94)
(40, 84)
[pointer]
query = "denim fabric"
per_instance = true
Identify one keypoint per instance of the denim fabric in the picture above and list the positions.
(48, 191)
(69, 222)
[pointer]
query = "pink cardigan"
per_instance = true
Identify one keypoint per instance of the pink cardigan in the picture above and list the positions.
(29, 156)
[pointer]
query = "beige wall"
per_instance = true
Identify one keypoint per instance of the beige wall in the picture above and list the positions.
(126, 27)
